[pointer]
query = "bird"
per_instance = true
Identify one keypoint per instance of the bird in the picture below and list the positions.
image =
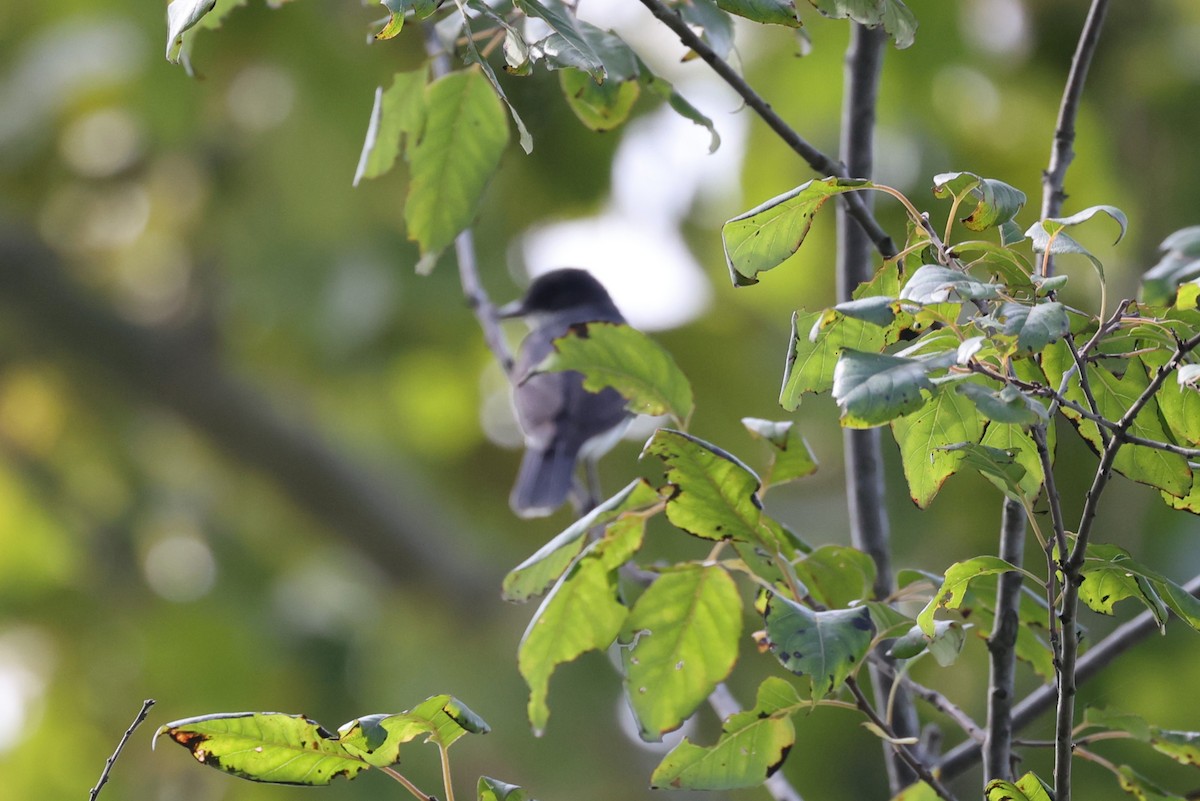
(563, 423)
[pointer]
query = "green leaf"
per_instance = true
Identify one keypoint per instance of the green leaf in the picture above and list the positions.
(919, 791)
(813, 358)
(1142, 788)
(716, 26)
(1174, 596)
(923, 436)
(581, 613)
(621, 357)
(1106, 581)
(996, 203)
(1035, 327)
(1102, 718)
(837, 576)
(576, 49)
(767, 235)
(398, 112)
(875, 388)
(1027, 788)
(1181, 746)
(490, 789)
(535, 575)
(714, 495)
(944, 644)
(752, 746)
(958, 577)
(1046, 235)
(265, 747)
(998, 466)
(1180, 263)
(791, 455)
(678, 103)
(442, 719)
(678, 643)
(932, 283)
(398, 8)
(465, 133)
(825, 646)
(770, 12)
(599, 106)
(1001, 262)
(516, 61)
(1006, 405)
(893, 15)
(1012, 440)
(1166, 471)
(878, 310)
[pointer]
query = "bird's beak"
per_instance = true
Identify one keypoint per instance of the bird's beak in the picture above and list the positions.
(510, 310)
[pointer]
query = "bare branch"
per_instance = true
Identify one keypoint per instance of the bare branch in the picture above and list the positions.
(112, 760)
(918, 767)
(1002, 654)
(1063, 151)
(817, 160)
(1123, 638)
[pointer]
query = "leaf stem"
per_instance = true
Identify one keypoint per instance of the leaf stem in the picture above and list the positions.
(108, 764)
(412, 788)
(447, 779)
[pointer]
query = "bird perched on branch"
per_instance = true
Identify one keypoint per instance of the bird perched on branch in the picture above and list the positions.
(563, 422)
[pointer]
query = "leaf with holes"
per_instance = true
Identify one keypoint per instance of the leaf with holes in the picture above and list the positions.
(715, 495)
(266, 747)
(946, 419)
(679, 641)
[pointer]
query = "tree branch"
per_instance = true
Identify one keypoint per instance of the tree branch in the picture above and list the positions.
(1002, 653)
(863, 449)
(112, 760)
(1062, 152)
(817, 160)
(1121, 639)
(918, 768)
(398, 520)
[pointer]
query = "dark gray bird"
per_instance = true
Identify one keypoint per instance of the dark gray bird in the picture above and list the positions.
(563, 422)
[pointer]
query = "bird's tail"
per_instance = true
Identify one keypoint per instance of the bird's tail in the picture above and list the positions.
(543, 482)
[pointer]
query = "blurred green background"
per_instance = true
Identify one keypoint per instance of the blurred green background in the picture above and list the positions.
(157, 540)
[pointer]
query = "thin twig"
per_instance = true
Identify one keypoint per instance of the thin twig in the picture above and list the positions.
(1063, 150)
(918, 767)
(817, 160)
(112, 760)
(936, 700)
